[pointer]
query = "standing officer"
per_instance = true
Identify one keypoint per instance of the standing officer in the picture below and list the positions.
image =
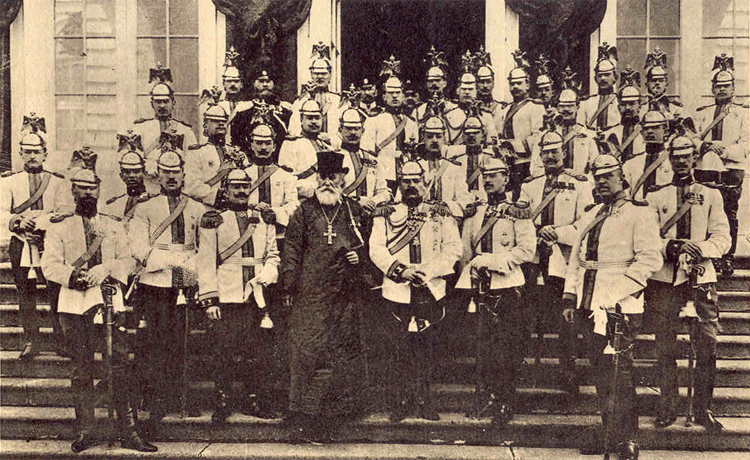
(657, 82)
(300, 154)
(725, 131)
(317, 90)
(468, 106)
(486, 86)
(694, 230)
(599, 112)
(237, 259)
(162, 232)
(520, 119)
(206, 165)
(543, 85)
(436, 80)
(151, 129)
(617, 249)
(557, 199)
(495, 244)
(84, 251)
(28, 199)
(365, 180)
(627, 133)
(579, 142)
(650, 166)
(415, 243)
(132, 173)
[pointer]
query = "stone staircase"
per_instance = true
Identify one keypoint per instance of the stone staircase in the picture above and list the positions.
(36, 402)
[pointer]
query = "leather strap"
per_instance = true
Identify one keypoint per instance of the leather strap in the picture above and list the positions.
(545, 202)
(474, 175)
(631, 138)
(34, 197)
(438, 174)
(357, 180)
(227, 253)
(652, 167)
(311, 170)
(675, 217)
(406, 239)
(610, 99)
(168, 221)
(514, 110)
(486, 228)
(268, 173)
(86, 256)
(715, 122)
(591, 225)
(391, 137)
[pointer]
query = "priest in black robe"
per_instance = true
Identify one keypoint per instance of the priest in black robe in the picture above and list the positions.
(322, 269)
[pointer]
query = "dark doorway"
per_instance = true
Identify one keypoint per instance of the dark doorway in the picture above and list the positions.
(372, 30)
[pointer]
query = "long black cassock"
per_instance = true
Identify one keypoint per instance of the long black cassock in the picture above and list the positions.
(325, 354)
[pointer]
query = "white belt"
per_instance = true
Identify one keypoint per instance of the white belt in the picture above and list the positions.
(174, 247)
(244, 261)
(599, 264)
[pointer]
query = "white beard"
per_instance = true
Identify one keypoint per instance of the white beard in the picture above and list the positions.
(327, 197)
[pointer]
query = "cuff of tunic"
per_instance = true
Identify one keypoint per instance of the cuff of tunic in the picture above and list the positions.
(395, 271)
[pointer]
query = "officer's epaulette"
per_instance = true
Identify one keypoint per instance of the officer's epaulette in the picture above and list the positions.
(111, 216)
(578, 177)
(142, 120)
(148, 197)
(635, 155)
(638, 203)
(704, 107)
(589, 207)
(55, 218)
(586, 98)
(211, 219)
(285, 105)
(674, 102)
(744, 106)
(8, 174)
(56, 174)
(440, 208)
(383, 210)
(519, 210)
(183, 123)
(196, 146)
(285, 168)
(289, 137)
(536, 101)
(532, 178)
(656, 188)
(115, 198)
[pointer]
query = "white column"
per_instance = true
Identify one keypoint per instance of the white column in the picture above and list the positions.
(207, 45)
(17, 86)
(501, 39)
(318, 27)
(221, 45)
(691, 25)
(39, 47)
(607, 32)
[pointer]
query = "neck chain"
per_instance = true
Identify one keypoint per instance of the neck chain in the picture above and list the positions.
(329, 233)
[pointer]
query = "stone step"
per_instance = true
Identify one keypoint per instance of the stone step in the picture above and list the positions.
(535, 430)
(448, 398)
(60, 450)
(9, 296)
(734, 301)
(732, 373)
(739, 281)
(728, 346)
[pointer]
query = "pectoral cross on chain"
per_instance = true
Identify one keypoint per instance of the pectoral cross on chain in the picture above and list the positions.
(330, 234)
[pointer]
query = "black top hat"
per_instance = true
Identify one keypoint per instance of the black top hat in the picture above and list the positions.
(331, 162)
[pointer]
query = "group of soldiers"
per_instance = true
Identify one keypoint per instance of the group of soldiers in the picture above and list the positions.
(290, 223)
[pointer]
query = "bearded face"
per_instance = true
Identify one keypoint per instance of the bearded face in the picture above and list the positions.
(86, 198)
(330, 186)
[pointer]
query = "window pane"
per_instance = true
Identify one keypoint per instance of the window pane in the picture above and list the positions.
(150, 51)
(672, 50)
(665, 18)
(711, 49)
(101, 123)
(183, 17)
(100, 18)
(70, 115)
(717, 18)
(69, 66)
(741, 57)
(69, 17)
(152, 17)
(741, 17)
(631, 52)
(631, 17)
(184, 63)
(101, 59)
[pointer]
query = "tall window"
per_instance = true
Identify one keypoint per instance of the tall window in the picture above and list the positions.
(725, 30)
(642, 25)
(89, 75)
(168, 33)
(85, 74)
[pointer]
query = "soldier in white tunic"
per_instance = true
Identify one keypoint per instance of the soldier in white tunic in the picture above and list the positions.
(694, 230)
(88, 255)
(599, 112)
(651, 166)
(626, 135)
(495, 244)
(415, 243)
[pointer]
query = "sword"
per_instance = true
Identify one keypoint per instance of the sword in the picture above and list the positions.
(695, 270)
(108, 291)
(612, 400)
